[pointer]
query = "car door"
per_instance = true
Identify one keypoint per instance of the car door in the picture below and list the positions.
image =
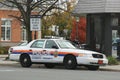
(37, 50)
(51, 49)
(44, 51)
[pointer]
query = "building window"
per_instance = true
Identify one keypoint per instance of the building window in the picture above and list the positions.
(5, 30)
(114, 21)
(24, 35)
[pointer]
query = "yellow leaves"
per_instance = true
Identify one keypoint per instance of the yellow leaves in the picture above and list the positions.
(60, 18)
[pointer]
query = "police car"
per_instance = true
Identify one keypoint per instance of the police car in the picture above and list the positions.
(56, 51)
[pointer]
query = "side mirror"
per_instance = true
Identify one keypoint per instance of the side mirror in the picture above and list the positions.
(55, 47)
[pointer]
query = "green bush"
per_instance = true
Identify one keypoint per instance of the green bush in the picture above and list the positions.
(4, 50)
(112, 61)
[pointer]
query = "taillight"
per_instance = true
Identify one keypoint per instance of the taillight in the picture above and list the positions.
(11, 49)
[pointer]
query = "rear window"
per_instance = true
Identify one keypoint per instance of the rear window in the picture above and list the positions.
(38, 44)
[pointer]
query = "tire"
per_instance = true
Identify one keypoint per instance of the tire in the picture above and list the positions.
(49, 65)
(25, 60)
(70, 62)
(93, 67)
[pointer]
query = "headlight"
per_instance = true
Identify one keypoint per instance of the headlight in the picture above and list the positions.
(10, 50)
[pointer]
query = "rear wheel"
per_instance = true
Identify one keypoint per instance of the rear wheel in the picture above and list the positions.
(70, 62)
(48, 65)
(25, 60)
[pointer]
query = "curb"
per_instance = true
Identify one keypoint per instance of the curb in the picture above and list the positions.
(111, 67)
(3, 56)
(102, 69)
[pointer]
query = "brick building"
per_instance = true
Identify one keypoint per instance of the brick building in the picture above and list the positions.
(11, 29)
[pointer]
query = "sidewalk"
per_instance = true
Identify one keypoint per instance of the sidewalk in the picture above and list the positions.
(110, 68)
(103, 68)
(3, 56)
(3, 60)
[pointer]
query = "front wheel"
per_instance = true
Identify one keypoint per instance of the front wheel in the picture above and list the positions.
(70, 62)
(25, 60)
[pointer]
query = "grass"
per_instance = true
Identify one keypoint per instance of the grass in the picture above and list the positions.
(112, 61)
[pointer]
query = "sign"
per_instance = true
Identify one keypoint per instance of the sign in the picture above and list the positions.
(35, 23)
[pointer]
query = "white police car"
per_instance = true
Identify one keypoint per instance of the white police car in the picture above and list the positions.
(56, 51)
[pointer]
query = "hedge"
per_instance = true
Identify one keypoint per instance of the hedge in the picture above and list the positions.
(4, 50)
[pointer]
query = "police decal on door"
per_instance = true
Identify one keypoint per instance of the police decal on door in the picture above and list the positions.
(41, 54)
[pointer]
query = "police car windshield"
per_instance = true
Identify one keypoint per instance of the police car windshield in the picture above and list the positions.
(64, 44)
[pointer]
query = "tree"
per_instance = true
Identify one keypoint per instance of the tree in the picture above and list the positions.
(81, 30)
(61, 18)
(27, 7)
(46, 26)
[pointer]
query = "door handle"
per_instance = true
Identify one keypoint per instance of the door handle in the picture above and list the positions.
(44, 50)
(30, 49)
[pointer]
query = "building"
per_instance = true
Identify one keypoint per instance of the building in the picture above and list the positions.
(12, 31)
(10, 28)
(103, 16)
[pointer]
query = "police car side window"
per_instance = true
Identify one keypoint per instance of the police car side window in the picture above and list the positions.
(38, 44)
(50, 44)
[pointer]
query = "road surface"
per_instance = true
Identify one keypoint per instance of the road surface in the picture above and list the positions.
(42, 73)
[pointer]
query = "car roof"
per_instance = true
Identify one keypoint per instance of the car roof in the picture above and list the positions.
(50, 39)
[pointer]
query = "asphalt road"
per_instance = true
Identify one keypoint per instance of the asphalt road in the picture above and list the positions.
(42, 73)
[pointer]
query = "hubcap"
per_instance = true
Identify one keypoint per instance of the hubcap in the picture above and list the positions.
(25, 60)
(69, 62)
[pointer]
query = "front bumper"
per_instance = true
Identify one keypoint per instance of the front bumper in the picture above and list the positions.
(92, 61)
(14, 57)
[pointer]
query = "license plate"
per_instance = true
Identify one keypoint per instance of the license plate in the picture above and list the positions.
(100, 61)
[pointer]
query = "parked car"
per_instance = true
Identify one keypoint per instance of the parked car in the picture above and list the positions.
(56, 51)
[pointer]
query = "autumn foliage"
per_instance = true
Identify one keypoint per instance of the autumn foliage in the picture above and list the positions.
(81, 30)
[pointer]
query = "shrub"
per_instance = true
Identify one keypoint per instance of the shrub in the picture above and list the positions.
(4, 50)
(112, 60)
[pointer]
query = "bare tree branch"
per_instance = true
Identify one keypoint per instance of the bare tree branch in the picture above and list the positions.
(49, 8)
(26, 7)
